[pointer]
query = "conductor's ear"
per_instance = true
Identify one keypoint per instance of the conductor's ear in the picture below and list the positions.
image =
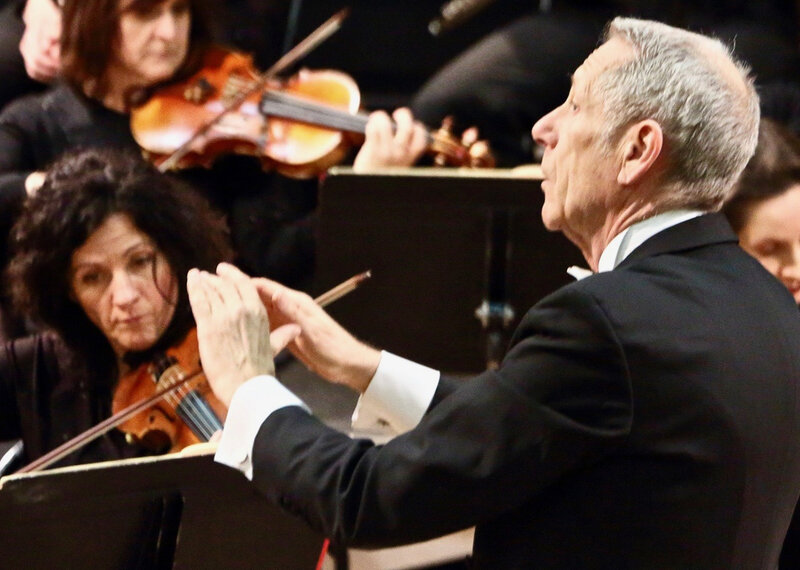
(641, 146)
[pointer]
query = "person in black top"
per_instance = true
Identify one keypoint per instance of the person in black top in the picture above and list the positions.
(113, 49)
(99, 269)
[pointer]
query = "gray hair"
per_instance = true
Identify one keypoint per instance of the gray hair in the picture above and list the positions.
(703, 99)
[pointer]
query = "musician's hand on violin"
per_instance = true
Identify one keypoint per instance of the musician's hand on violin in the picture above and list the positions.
(232, 329)
(388, 143)
(322, 345)
(40, 45)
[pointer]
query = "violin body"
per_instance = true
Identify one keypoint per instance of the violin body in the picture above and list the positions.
(190, 415)
(299, 127)
(172, 116)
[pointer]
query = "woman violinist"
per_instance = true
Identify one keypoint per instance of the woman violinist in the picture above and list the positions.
(102, 270)
(112, 50)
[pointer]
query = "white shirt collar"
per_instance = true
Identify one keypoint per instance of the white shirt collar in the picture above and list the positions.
(633, 236)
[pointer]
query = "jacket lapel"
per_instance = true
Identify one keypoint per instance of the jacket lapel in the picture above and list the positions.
(703, 230)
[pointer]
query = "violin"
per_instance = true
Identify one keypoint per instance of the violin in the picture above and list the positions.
(299, 126)
(183, 377)
(188, 415)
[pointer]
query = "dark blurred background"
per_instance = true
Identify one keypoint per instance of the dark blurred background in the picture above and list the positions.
(384, 44)
(509, 63)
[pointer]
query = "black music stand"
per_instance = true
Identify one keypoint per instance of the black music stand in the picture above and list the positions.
(457, 256)
(168, 512)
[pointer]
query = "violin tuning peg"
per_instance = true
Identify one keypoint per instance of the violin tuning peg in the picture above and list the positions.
(469, 137)
(447, 124)
(481, 155)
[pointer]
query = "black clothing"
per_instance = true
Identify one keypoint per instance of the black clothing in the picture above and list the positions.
(511, 78)
(646, 417)
(267, 213)
(47, 398)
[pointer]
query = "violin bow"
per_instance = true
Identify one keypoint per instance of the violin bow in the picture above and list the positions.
(308, 44)
(120, 417)
(103, 427)
(342, 289)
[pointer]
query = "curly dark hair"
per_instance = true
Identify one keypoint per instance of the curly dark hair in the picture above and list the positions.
(81, 190)
(773, 169)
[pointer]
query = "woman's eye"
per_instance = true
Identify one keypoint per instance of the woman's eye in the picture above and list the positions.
(140, 261)
(766, 248)
(146, 13)
(146, 10)
(89, 278)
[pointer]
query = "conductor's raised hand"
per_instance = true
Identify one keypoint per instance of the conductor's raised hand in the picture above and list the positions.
(232, 329)
(322, 345)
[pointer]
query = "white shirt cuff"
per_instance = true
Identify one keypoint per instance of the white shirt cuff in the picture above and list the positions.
(252, 403)
(398, 395)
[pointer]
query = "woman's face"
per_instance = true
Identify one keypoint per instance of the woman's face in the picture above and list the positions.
(124, 284)
(153, 40)
(771, 234)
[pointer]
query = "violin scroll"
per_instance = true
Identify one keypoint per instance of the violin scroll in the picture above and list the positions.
(468, 151)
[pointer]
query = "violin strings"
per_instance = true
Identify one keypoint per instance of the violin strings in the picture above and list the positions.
(200, 413)
(197, 412)
(299, 109)
(286, 106)
(193, 409)
(203, 417)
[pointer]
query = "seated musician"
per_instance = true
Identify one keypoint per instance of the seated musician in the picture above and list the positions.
(765, 210)
(101, 268)
(113, 49)
(765, 213)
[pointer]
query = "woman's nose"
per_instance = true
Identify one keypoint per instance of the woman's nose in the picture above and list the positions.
(123, 289)
(167, 25)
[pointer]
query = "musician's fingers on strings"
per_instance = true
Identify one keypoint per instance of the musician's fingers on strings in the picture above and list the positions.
(404, 122)
(411, 138)
(379, 129)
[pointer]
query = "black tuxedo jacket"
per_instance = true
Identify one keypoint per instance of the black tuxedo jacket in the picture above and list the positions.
(647, 417)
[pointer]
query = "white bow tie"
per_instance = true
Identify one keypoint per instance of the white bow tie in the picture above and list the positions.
(579, 272)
